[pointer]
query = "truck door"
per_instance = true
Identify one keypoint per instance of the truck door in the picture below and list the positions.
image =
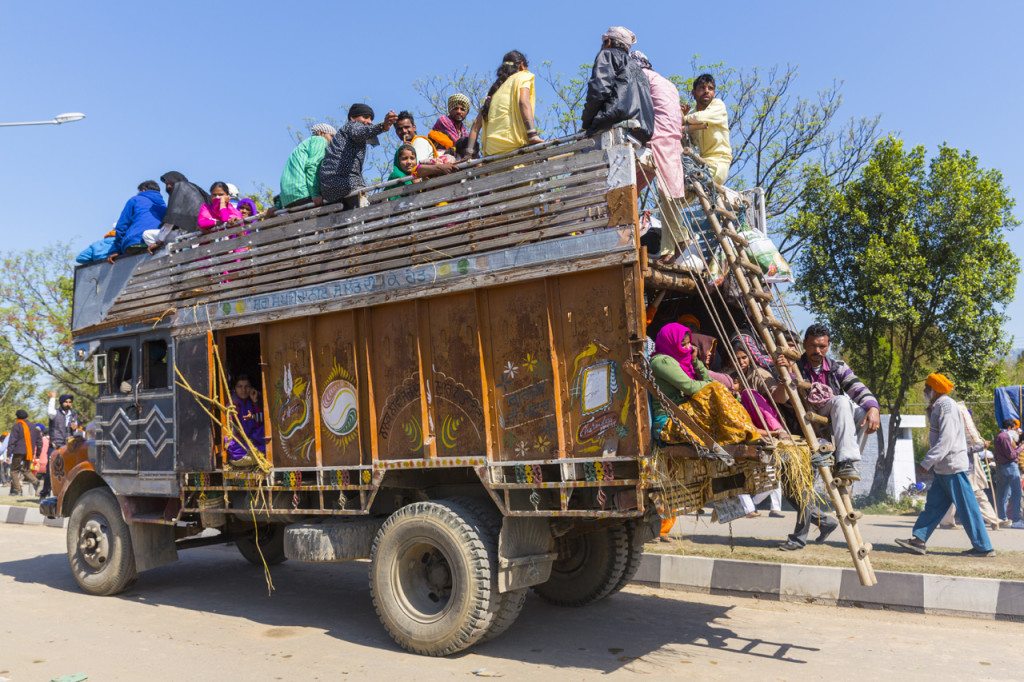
(117, 413)
(154, 426)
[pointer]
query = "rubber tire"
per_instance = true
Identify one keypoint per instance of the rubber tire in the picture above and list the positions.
(119, 570)
(582, 580)
(271, 541)
(634, 553)
(508, 604)
(470, 551)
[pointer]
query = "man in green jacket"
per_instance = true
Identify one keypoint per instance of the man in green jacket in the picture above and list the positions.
(299, 183)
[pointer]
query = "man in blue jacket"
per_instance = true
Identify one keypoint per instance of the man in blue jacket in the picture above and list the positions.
(144, 211)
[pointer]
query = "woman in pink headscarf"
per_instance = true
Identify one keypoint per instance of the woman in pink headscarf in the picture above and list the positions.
(684, 379)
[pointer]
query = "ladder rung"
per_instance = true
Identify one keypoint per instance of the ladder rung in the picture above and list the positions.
(814, 418)
(864, 550)
(752, 268)
(761, 296)
(727, 214)
(773, 323)
(790, 353)
(803, 385)
(735, 236)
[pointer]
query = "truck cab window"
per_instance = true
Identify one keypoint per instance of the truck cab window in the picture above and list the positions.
(120, 371)
(154, 364)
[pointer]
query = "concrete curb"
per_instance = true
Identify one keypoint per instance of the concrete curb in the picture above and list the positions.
(27, 516)
(917, 592)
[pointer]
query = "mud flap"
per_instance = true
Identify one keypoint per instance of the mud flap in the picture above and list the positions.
(153, 545)
(525, 555)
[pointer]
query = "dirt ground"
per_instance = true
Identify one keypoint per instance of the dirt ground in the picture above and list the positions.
(208, 617)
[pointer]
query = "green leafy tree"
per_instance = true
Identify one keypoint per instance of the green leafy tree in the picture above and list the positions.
(35, 319)
(17, 385)
(910, 267)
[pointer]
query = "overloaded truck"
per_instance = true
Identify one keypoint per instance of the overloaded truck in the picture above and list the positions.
(448, 387)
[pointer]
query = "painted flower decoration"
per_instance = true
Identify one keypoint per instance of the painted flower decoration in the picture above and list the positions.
(522, 449)
(542, 443)
(530, 362)
(511, 369)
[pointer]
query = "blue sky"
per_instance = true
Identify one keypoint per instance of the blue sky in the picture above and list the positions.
(210, 88)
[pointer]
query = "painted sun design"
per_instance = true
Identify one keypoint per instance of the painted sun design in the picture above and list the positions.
(339, 406)
(511, 370)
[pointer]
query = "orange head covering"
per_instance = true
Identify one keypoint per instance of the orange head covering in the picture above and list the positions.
(939, 383)
(690, 321)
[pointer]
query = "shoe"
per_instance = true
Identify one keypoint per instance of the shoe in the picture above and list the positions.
(977, 552)
(753, 515)
(1005, 523)
(776, 514)
(664, 538)
(994, 526)
(243, 462)
(1017, 524)
(947, 526)
(790, 546)
(913, 545)
(823, 535)
(847, 471)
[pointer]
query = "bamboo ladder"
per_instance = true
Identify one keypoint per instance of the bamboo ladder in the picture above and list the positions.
(759, 299)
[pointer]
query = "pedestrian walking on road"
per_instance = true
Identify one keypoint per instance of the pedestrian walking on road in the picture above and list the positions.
(22, 446)
(1007, 473)
(947, 459)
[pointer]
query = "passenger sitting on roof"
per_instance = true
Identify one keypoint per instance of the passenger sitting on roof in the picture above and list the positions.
(247, 207)
(453, 125)
(341, 171)
(405, 165)
(618, 90)
(684, 379)
(99, 250)
(709, 127)
(219, 208)
(184, 199)
(143, 212)
(432, 161)
(299, 183)
(248, 408)
(506, 119)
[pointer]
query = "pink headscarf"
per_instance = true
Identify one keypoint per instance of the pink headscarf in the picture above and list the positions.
(669, 342)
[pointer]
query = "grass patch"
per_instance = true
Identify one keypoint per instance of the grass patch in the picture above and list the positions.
(23, 501)
(884, 557)
(905, 506)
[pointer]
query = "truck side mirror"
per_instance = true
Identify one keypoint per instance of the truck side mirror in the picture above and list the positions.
(99, 368)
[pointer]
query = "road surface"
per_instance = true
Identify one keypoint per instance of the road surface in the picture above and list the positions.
(208, 617)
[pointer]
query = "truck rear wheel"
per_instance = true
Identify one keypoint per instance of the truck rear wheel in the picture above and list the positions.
(589, 567)
(432, 576)
(634, 553)
(100, 544)
(271, 544)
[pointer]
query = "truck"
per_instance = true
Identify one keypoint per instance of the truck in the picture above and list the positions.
(448, 388)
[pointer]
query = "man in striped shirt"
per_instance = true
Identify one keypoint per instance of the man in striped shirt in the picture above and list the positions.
(852, 409)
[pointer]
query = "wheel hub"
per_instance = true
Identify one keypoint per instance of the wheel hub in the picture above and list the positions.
(94, 541)
(423, 581)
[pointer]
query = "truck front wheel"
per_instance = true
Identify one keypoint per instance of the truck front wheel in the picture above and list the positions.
(100, 544)
(432, 576)
(589, 567)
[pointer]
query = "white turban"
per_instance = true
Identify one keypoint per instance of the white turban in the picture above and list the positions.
(621, 35)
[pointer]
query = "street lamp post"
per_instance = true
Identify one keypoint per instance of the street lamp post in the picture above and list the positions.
(55, 121)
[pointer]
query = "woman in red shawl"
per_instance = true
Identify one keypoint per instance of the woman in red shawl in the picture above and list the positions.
(685, 380)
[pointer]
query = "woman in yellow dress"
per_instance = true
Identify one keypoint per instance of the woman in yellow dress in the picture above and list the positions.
(507, 117)
(683, 378)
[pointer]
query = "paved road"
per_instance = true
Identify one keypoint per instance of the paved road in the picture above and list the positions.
(208, 617)
(877, 529)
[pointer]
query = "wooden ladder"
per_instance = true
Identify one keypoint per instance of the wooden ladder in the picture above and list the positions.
(759, 299)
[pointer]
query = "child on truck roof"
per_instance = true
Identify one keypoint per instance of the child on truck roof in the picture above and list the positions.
(219, 208)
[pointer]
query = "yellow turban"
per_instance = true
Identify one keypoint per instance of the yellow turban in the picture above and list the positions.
(939, 383)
